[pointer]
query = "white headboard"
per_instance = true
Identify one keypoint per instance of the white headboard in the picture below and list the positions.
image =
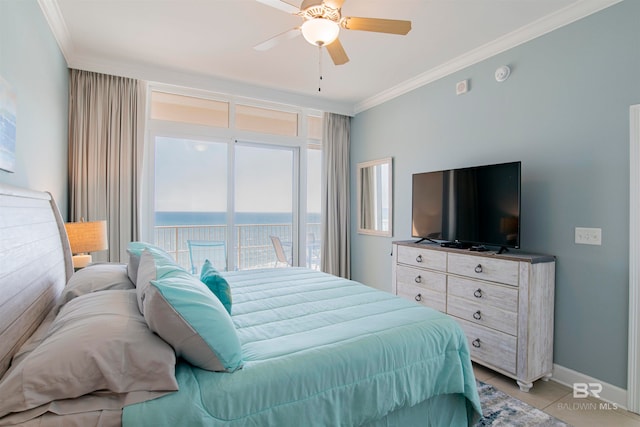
(35, 264)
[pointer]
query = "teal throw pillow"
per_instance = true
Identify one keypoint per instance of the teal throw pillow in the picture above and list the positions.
(217, 284)
(182, 311)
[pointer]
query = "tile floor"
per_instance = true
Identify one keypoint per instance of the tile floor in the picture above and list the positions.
(558, 401)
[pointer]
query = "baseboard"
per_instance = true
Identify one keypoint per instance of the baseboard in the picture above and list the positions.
(610, 393)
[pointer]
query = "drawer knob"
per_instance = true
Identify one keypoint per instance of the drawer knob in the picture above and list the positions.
(477, 315)
(476, 343)
(478, 268)
(418, 297)
(418, 279)
(477, 293)
(419, 258)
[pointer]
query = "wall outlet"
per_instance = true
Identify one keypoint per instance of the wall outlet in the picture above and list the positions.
(588, 236)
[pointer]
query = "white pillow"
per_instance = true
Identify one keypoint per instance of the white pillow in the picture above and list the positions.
(134, 249)
(94, 278)
(98, 341)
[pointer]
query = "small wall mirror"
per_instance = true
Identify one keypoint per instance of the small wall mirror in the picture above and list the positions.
(375, 197)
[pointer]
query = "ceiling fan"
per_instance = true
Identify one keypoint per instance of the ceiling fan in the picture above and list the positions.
(322, 20)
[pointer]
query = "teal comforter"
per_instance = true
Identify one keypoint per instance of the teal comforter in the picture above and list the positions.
(320, 351)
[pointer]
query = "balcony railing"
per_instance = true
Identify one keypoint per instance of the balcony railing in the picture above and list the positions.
(249, 247)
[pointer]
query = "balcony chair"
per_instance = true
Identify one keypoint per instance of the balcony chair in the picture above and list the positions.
(281, 256)
(213, 250)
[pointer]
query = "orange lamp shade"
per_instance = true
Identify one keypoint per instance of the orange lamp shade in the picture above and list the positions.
(85, 237)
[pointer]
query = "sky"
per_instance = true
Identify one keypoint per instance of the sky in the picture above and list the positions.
(192, 176)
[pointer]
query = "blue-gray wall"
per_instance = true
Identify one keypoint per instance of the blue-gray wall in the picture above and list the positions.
(31, 62)
(564, 113)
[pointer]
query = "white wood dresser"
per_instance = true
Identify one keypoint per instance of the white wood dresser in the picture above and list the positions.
(504, 302)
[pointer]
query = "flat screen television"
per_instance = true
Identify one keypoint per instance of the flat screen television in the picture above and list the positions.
(469, 207)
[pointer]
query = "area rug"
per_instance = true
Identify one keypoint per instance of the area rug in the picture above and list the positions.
(500, 409)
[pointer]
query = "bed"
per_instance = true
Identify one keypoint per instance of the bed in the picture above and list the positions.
(299, 347)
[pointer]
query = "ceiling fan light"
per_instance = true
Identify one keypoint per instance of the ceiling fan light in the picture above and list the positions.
(320, 31)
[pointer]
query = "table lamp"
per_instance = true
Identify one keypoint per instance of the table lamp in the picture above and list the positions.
(85, 237)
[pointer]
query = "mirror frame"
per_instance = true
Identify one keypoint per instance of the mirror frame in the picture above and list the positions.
(385, 161)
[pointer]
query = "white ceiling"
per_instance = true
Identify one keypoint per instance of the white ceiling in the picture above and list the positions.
(209, 44)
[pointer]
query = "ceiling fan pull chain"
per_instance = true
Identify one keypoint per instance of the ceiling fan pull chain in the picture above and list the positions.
(320, 68)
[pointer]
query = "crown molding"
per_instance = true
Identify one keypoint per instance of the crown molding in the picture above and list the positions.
(180, 78)
(54, 18)
(565, 16)
(53, 15)
(529, 32)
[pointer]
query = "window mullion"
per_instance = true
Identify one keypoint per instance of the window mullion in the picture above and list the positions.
(232, 234)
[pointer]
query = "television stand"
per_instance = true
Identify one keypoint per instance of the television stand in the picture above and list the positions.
(502, 250)
(479, 248)
(456, 244)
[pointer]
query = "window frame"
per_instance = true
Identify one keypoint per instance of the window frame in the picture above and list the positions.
(163, 128)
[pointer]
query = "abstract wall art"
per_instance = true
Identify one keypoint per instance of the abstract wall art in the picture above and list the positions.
(7, 126)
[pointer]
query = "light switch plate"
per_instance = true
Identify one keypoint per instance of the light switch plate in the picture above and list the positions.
(588, 236)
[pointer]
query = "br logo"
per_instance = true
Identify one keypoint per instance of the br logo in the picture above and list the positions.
(582, 390)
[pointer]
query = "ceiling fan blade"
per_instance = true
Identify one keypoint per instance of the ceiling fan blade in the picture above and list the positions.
(283, 6)
(268, 44)
(390, 26)
(334, 4)
(337, 53)
(308, 3)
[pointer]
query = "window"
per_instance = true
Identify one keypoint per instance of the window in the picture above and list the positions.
(314, 128)
(187, 109)
(235, 186)
(190, 196)
(266, 120)
(314, 186)
(264, 203)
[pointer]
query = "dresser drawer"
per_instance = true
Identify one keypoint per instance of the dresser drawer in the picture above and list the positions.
(426, 297)
(495, 270)
(483, 314)
(424, 279)
(423, 258)
(502, 297)
(491, 347)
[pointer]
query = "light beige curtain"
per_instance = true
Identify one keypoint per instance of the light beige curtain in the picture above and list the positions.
(336, 195)
(106, 134)
(367, 206)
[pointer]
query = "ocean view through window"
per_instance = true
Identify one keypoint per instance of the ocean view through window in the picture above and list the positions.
(230, 196)
(252, 232)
